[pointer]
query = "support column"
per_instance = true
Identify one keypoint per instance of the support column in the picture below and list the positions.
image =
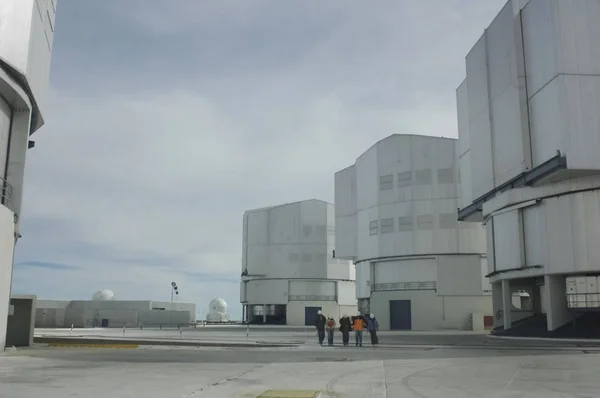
(507, 304)
(265, 313)
(536, 298)
(497, 304)
(557, 312)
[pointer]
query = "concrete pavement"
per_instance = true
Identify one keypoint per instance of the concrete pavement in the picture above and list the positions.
(332, 372)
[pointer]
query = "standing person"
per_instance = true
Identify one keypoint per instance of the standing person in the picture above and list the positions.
(330, 330)
(358, 326)
(320, 325)
(372, 326)
(345, 328)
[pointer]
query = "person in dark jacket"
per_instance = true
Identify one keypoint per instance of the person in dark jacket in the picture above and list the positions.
(372, 326)
(320, 325)
(345, 328)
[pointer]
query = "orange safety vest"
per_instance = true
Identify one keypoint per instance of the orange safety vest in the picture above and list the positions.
(359, 324)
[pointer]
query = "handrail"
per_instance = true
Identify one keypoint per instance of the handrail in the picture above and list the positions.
(5, 193)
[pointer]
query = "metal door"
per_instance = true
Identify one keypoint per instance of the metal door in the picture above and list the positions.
(310, 315)
(104, 323)
(400, 315)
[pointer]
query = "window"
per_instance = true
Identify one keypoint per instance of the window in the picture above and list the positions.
(425, 222)
(373, 227)
(306, 257)
(386, 182)
(405, 223)
(448, 221)
(293, 257)
(445, 176)
(387, 225)
(404, 179)
(423, 177)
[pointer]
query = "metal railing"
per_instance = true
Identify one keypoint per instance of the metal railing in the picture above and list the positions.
(311, 298)
(405, 286)
(5, 193)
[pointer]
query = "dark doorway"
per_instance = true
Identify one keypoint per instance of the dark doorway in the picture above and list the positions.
(310, 315)
(400, 315)
(104, 323)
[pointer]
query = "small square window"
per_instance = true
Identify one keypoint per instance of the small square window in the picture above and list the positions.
(423, 177)
(405, 223)
(387, 225)
(386, 182)
(448, 221)
(373, 227)
(306, 257)
(425, 222)
(404, 179)
(445, 176)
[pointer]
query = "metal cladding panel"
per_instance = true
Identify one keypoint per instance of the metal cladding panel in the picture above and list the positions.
(346, 293)
(459, 275)
(289, 241)
(477, 79)
(5, 116)
(345, 192)
(410, 270)
(345, 237)
(462, 106)
(367, 179)
(508, 241)
(267, 291)
(482, 171)
(466, 190)
(489, 234)
(312, 288)
(534, 225)
(26, 35)
(363, 280)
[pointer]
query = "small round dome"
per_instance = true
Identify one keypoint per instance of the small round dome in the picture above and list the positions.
(103, 295)
(218, 305)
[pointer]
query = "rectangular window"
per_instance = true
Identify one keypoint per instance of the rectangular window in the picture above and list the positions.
(387, 225)
(404, 179)
(293, 257)
(405, 223)
(425, 222)
(448, 221)
(373, 227)
(386, 182)
(306, 257)
(445, 176)
(423, 177)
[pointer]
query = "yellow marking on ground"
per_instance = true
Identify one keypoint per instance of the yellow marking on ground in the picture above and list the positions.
(289, 394)
(74, 345)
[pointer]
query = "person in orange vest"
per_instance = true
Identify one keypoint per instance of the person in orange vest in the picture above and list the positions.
(330, 330)
(358, 326)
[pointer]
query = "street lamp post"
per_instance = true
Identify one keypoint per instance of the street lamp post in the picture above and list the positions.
(174, 290)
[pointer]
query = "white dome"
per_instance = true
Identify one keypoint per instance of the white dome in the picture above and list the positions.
(217, 311)
(103, 295)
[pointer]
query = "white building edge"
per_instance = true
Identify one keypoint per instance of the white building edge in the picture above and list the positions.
(529, 143)
(26, 33)
(288, 268)
(417, 267)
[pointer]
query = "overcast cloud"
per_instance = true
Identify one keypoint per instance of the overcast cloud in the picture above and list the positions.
(168, 119)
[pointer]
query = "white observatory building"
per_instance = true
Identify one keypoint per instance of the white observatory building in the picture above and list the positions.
(217, 311)
(417, 267)
(529, 136)
(26, 33)
(288, 267)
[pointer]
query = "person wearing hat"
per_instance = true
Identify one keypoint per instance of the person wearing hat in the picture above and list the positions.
(345, 328)
(372, 326)
(320, 325)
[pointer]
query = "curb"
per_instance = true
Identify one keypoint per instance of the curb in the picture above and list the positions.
(130, 343)
(592, 342)
(75, 345)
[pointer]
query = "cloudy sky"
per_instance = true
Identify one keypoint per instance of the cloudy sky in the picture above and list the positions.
(168, 119)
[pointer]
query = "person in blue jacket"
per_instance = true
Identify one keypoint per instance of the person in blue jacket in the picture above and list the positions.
(372, 326)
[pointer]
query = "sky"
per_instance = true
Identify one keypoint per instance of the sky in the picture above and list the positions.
(166, 120)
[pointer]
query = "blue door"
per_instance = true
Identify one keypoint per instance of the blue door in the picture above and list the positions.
(310, 315)
(400, 315)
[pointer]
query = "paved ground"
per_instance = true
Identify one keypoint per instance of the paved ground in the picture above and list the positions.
(335, 372)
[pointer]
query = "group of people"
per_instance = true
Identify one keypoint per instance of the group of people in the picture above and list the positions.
(356, 323)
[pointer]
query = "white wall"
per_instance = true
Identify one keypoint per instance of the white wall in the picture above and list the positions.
(345, 213)
(7, 243)
(5, 116)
